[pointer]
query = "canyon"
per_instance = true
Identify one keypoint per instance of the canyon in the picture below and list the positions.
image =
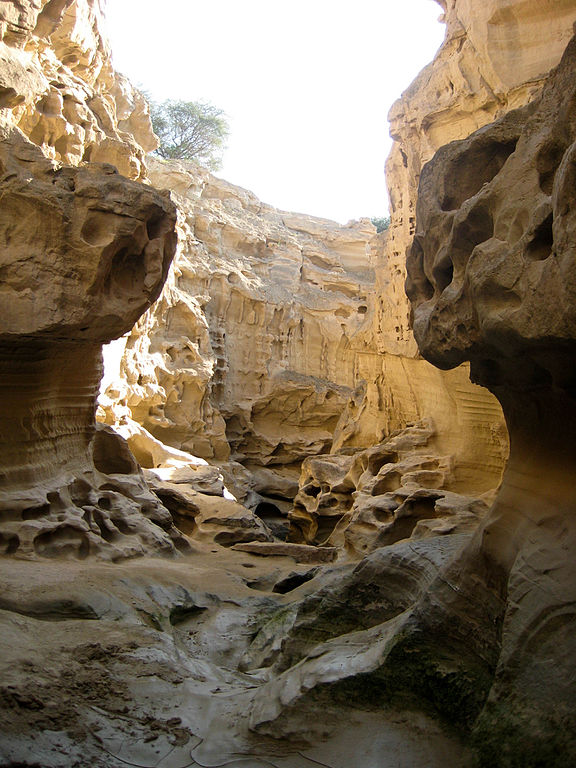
(318, 469)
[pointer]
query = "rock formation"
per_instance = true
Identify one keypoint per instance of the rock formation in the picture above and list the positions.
(493, 59)
(260, 350)
(247, 353)
(85, 252)
(420, 623)
(392, 491)
(491, 280)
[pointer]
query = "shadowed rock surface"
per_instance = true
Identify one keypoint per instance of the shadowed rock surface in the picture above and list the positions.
(491, 280)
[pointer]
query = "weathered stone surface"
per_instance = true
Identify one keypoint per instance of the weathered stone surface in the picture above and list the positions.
(338, 642)
(491, 279)
(299, 552)
(261, 344)
(208, 517)
(58, 86)
(144, 661)
(374, 498)
(494, 59)
(247, 349)
(84, 252)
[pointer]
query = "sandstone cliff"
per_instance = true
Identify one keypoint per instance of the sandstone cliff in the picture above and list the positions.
(491, 280)
(248, 353)
(84, 252)
(493, 59)
(260, 351)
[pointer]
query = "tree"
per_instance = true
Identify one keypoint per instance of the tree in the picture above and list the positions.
(189, 130)
(381, 224)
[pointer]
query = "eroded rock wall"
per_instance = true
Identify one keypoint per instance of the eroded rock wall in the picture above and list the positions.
(59, 88)
(248, 354)
(261, 349)
(493, 59)
(85, 251)
(491, 280)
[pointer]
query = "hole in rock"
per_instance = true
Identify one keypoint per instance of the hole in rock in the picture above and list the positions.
(384, 514)
(35, 513)
(181, 613)
(541, 377)
(477, 166)
(9, 543)
(375, 463)
(275, 521)
(64, 541)
(127, 271)
(418, 287)
(108, 530)
(267, 511)
(293, 581)
(9, 97)
(390, 482)
(443, 272)
(547, 162)
(80, 492)
(326, 526)
(477, 228)
(185, 524)
(155, 227)
(411, 512)
(486, 372)
(540, 247)
(228, 538)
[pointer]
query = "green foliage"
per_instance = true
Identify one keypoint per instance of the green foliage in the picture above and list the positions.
(381, 224)
(189, 130)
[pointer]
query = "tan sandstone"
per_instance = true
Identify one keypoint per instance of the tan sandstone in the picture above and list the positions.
(84, 252)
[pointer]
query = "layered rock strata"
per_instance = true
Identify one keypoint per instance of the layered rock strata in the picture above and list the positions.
(493, 59)
(84, 252)
(260, 349)
(247, 354)
(58, 86)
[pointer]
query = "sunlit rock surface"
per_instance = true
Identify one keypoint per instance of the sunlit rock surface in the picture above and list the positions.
(247, 353)
(58, 86)
(494, 58)
(84, 252)
(387, 493)
(261, 348)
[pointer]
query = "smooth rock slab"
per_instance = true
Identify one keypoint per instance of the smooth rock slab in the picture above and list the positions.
(302, 553)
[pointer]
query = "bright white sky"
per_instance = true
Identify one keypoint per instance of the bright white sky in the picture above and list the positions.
(306, 86)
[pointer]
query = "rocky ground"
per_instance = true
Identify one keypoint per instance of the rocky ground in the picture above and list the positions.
(211, 660)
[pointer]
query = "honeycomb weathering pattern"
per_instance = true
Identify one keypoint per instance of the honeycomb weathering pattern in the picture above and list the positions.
(492, 280)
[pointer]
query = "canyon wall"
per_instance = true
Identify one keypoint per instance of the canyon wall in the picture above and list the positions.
(284, 342)
(474, 78)
(247, 353)
(493, 59)
(85, 251)
(491, 280)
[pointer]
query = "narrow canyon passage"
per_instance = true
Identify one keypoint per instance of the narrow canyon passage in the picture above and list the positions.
(313, 503)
